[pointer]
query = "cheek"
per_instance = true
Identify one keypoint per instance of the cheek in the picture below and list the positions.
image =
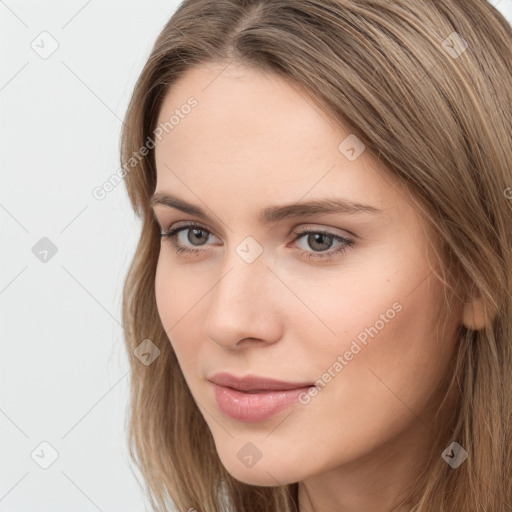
(386, 325)
(176, 302)
(394, 353)
(177, 291)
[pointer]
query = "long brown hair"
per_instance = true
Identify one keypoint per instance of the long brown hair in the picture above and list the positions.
(427, 87)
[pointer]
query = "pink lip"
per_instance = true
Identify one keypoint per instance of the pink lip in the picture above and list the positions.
(255, 383)
(254, 398)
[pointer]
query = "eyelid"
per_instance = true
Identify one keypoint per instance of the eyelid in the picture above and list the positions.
(190, 224)
(328, 230)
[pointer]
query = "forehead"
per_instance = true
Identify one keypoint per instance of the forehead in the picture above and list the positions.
(257, 136)
(239, 107)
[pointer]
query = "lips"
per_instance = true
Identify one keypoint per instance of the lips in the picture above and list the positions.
(253, 398)
(255, 383)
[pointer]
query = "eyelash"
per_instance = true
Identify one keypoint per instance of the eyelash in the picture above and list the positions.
(347, 242)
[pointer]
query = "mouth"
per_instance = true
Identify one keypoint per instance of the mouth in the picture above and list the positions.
(253, 399)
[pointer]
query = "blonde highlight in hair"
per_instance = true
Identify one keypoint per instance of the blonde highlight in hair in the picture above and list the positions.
(442, 123)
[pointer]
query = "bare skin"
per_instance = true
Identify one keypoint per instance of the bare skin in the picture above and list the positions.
(255, 141)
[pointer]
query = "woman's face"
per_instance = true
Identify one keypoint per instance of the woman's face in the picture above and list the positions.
(359, 318)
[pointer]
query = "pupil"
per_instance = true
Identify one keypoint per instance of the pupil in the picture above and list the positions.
(196, 237)
(314, 239)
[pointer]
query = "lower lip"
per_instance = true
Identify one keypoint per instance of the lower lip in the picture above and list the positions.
(254, 407)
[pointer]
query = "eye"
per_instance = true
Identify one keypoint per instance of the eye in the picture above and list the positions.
(197, 234)
(319, 241)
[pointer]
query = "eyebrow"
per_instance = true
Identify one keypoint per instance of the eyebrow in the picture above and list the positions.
(272, 214)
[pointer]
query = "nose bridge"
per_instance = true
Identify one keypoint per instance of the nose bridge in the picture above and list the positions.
(240, 304)
(245, 273)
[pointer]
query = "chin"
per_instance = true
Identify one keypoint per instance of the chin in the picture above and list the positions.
(262, 473)
(260, 477)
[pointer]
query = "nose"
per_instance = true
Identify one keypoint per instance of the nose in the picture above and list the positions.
(243, 306)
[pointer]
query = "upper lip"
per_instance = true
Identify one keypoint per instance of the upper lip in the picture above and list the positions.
(254, 383)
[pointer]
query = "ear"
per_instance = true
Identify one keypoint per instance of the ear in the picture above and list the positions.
(473, 315)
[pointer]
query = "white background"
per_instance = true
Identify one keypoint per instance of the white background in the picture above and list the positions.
(63, 371)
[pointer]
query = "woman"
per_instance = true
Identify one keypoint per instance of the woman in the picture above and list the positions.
(318, 314)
